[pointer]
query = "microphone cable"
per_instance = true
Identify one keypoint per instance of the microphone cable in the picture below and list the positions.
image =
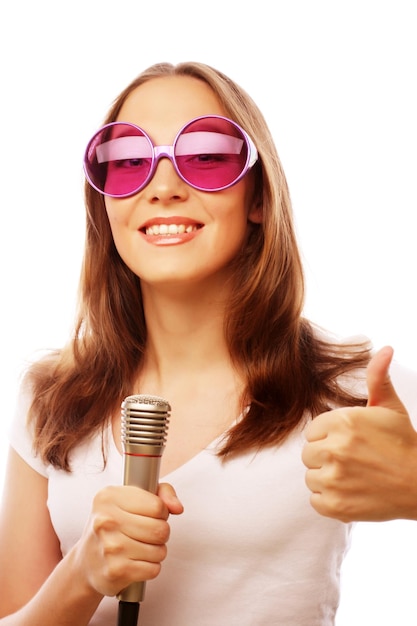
(128, 613)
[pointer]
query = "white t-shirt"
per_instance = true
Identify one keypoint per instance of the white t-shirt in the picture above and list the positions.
(249, 550)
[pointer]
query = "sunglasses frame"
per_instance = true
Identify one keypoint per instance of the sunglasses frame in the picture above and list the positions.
(168, 151)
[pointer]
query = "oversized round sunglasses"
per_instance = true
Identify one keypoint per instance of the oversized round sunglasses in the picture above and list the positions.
(210, 153)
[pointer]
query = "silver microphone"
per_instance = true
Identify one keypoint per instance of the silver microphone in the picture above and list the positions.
(144, 431)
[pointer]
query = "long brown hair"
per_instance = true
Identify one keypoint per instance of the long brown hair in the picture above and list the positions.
(290, 371)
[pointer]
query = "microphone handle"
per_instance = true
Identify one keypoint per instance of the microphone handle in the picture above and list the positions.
(139, 471)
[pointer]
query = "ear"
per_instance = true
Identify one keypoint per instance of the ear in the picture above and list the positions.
(255, 214)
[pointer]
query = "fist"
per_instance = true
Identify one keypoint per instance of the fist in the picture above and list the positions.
(362, 461)
(125, 537)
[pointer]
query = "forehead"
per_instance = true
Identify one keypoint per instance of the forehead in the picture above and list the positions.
(164, 104)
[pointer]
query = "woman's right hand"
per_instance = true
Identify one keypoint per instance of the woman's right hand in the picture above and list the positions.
(125, 538)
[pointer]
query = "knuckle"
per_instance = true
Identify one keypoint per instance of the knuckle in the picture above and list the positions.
(104, 497)
(103, 523)
(154, 570)
(114, 571)
(337, 506)
(160, 554)
(340, 451)
(335, 503)
(335, 471)
(164, 553)
(111, 548)
(160, 533)
(158, 509)
(350, 423)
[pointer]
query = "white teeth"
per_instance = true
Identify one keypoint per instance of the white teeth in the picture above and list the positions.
(170, 229)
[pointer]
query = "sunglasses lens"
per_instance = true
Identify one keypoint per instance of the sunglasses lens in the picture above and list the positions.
(119, 159)
(211, 153)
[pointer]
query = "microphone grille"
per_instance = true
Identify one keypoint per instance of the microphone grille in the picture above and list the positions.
(145, 420)
(147, 402)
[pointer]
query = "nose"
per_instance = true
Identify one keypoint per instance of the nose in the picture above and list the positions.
(166, 185)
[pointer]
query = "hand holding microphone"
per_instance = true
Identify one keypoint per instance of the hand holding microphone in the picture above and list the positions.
(124, 539)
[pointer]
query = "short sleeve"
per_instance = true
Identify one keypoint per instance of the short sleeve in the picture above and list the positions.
(21, 435)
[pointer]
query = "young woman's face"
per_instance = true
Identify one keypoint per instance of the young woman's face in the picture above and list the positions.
(170, 233)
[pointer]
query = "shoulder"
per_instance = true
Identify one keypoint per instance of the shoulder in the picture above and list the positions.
(21, 431)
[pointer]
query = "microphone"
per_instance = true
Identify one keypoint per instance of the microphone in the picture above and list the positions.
(144, 431)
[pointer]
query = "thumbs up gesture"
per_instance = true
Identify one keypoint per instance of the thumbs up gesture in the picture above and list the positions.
(362, 461)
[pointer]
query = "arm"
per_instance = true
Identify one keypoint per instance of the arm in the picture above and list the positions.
(123, 541)
(30, 552)
(362, 462)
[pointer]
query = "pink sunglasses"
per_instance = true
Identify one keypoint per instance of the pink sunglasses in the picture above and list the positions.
(210, 153)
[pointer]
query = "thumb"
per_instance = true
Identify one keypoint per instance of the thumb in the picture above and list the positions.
(167, 493)
(380, 388)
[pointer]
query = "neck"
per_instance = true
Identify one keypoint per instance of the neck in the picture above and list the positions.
(185, 336)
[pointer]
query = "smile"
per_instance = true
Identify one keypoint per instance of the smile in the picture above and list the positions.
(170, 229)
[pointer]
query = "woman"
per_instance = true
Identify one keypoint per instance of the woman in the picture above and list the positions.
(191, 289)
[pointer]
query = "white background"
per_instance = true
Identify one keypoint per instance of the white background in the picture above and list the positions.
(337, 84)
